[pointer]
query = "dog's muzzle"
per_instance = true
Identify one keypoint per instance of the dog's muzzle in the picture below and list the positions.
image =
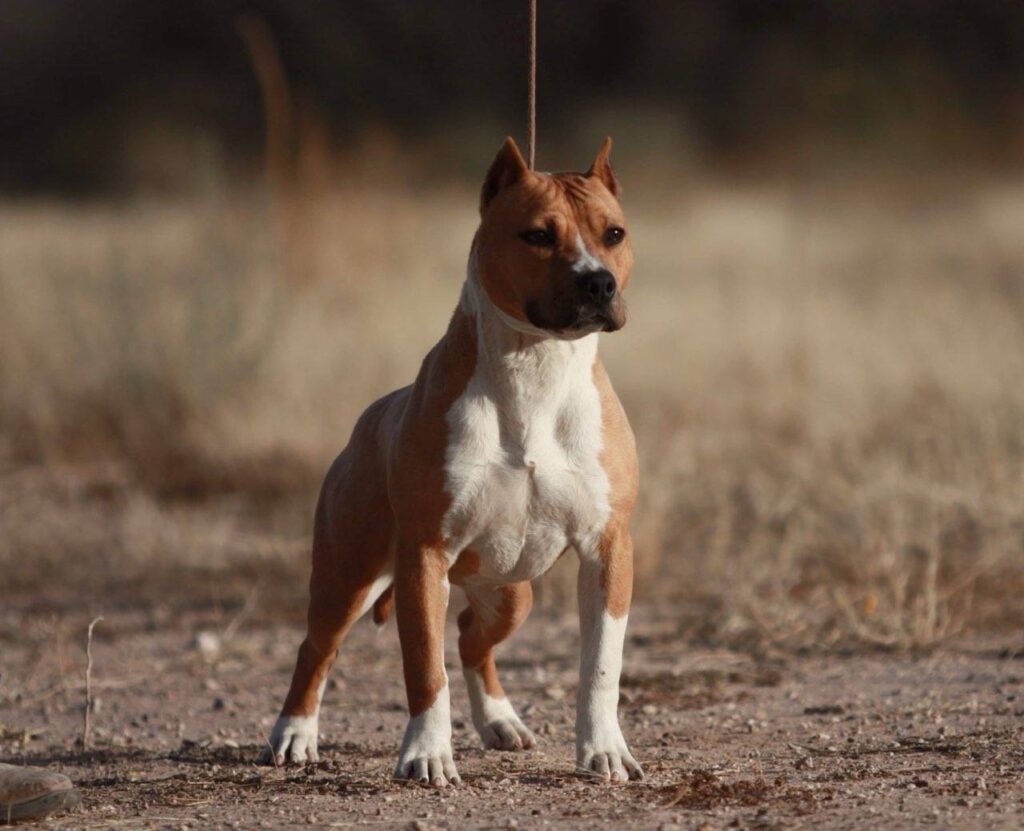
(601, 307)
(592, 303)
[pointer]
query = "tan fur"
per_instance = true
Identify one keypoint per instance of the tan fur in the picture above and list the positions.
(619, 461)
(415, 459)
(419, 501)
(383, 605)
(465, 567)
(420, 583)
(602, 169)
(353, 525)
(384, 500)
(574, 205)
(481, 630)
(355, 529)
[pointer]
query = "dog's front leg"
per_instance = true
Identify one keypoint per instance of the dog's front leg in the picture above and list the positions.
(605, 586)
(421, 600)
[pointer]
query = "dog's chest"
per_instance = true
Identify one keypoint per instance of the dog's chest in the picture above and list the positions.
(523, 468)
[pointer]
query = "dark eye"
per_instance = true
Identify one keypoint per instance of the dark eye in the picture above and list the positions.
(538, 237)
(613, 236)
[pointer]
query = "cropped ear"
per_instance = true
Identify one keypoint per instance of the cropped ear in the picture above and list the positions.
(507, 168)
(602, 168)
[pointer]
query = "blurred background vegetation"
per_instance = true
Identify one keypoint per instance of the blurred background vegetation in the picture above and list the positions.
(226, 227)
(117, 95)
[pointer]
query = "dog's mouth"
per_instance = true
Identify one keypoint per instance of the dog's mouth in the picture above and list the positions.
(579, 321)
(605, 321)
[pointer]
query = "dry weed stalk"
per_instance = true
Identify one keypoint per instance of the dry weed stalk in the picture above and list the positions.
(87, 719)
(295, 147)
(244, 612)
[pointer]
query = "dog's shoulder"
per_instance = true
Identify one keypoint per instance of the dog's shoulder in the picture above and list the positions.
(418, 436)
(618, 446)
(443, 377)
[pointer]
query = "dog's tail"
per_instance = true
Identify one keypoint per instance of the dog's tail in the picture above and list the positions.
(383, 605)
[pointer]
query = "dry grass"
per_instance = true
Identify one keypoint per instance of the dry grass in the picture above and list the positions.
(826, 391)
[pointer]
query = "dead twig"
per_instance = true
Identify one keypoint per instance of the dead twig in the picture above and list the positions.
(235, 622)
(273, 754)
(87, 725)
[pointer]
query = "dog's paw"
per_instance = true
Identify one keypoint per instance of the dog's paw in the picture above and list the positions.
(292, 741)
(614, 765)
(507, 733)
(426, 753)
(495, 719)
(428, 765)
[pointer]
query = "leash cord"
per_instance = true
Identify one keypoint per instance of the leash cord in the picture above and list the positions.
(531, 96)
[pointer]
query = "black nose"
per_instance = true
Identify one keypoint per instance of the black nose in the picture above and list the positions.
(599, 286)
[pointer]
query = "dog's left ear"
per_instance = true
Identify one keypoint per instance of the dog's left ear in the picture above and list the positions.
(507, 168)
(602, 168)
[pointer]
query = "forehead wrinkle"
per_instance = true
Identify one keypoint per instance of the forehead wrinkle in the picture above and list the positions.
(574, 186)
(570, 203)
(589, 207)
(543, 192)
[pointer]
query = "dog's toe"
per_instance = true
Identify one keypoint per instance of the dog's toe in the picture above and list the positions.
(292, 741)
(437, 771)
(610, 767)
(507, 734)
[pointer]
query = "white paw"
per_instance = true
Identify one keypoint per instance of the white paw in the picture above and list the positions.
(610, 766)
(292, 741)
(495, 719)
(604, 756)
(427, 760)
(507, 734)
(426, 753)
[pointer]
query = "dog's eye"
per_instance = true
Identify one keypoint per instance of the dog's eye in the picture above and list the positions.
(614, 235)
(538, 237)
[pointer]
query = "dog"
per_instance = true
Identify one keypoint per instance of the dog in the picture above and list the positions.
(509, 448)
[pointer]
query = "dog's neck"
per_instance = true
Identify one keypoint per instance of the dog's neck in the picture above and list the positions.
(527, 369)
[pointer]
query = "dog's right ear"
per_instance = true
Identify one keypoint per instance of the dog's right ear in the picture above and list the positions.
(507, 168)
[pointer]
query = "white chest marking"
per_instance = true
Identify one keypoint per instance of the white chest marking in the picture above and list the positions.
(523, 459)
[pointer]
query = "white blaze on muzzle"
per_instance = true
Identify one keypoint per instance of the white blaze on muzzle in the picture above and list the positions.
(585, 261)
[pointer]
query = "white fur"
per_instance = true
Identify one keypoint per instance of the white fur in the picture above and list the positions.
(426, 752)
(522, 465)
(293, 740)
(377, 588)
(600, 748)
(514, 323)
(495, 719)
(524, 473)
(585, 261)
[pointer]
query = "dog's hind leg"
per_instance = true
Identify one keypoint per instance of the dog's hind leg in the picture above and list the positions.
(353, 565)
(494, 613)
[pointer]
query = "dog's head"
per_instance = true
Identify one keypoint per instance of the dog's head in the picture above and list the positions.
(553, 249)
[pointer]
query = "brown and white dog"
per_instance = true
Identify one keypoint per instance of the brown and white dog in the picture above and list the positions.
(510, 447)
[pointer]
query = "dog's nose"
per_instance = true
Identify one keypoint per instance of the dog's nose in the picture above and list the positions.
(599, 285)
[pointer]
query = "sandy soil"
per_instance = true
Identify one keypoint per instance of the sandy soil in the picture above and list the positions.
(727, 739)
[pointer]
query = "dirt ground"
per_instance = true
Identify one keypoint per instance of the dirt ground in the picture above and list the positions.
(728, 739)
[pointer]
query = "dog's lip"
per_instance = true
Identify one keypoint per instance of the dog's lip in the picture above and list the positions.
(588, 319)
(599, 320)
(582, 328)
